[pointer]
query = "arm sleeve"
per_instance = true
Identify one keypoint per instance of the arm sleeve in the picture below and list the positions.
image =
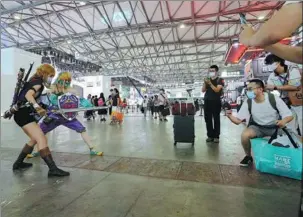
(269, 80)
(282, 108)
(85, 103)
(243, 113)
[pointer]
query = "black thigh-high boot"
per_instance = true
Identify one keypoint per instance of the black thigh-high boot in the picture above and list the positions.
(53, 169)
(19, 164)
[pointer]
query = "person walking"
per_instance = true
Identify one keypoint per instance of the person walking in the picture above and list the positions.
(163, 103)
(102, 112)
(213, 88)
(144, 105)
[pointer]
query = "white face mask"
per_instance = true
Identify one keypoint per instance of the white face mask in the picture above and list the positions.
(48, 82)
(273, 67)
(212, 74)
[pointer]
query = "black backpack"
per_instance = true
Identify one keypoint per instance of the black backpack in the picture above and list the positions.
(272, 102)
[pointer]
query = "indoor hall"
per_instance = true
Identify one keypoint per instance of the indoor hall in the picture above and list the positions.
(137, 48)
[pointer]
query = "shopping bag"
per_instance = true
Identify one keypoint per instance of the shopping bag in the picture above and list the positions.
(166, 111)
(280, 155)
(117, 116)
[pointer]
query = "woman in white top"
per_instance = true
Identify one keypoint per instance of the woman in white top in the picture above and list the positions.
(163, 101)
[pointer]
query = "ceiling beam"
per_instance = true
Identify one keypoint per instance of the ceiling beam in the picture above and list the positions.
(23, 7)
(172, 55)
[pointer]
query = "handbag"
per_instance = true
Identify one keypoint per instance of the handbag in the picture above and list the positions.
(166, 111)
(280, 155)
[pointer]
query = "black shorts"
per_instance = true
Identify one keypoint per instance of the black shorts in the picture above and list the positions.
(23, 116)
(161, 108)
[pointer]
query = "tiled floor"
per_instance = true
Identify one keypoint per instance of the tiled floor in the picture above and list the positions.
(142, 174)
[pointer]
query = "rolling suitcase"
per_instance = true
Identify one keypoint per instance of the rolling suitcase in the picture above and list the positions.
(184, 129)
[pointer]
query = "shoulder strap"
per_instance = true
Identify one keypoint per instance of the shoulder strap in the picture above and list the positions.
(273, 102)
(249, 102)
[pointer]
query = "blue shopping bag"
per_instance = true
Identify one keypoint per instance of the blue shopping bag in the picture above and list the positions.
(280, 155)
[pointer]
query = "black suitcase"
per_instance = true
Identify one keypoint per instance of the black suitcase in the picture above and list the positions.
(184, 129)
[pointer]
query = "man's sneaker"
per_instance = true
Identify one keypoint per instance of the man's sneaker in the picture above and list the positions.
(209, 140)
(248, 160)
(216, 140)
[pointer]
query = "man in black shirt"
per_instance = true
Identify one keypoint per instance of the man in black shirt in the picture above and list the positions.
(213, 88)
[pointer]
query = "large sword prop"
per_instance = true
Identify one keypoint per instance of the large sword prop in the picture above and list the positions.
(48, 120)
(19, 86)
(60, 111)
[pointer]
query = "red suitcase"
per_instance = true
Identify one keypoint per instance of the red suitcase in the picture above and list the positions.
(176, 109)
(183, 109)
(191, 110)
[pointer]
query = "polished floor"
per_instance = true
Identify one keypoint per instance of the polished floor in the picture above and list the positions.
(141, 174)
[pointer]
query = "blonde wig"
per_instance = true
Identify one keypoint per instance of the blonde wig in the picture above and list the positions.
(45, 70)
(64, 79)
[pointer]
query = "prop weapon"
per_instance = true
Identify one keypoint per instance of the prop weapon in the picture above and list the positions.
(19, 86)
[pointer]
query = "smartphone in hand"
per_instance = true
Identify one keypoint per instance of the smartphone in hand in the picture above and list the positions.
(243, 20)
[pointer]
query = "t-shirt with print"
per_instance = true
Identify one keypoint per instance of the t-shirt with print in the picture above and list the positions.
(263, 113)
(293, 78)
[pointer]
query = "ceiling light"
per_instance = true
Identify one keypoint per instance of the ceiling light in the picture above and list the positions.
(82, 3)
(69, 41)
(17, 17)
(182, 26)
(261, 17)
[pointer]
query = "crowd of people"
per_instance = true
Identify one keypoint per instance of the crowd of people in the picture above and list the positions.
(157, 105)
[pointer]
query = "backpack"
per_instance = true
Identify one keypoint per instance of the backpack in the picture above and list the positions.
(100, 102)
(273, 103)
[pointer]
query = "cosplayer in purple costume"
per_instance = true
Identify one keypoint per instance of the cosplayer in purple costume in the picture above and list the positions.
(61, 87)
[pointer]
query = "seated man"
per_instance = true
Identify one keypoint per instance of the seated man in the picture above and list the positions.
(264, 110)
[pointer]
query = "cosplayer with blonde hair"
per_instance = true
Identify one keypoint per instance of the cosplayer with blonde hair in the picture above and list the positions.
(62, 86)
(25, 118)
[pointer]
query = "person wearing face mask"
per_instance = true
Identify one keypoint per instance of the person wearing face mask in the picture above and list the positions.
(213, 88)
(263, 111)
(162, 103)
(25, 119)
(287, 80)
(60, 87)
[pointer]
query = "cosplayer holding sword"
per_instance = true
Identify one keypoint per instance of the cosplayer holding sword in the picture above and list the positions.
(24, 109)
(62, 95)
